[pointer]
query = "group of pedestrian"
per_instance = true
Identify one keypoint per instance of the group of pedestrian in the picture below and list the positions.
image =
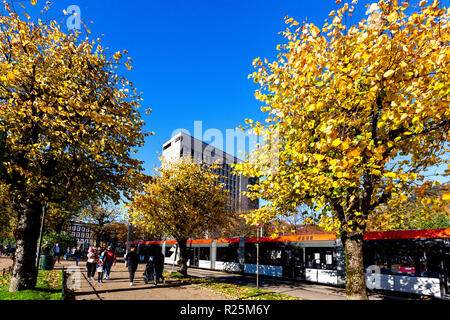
(74, 252)
(100, 261)
(7, 250)
(132, 262)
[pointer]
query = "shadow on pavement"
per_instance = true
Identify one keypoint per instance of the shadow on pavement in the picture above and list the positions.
(132, 288)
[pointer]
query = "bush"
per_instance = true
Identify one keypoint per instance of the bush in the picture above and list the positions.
(11, 241)
(64, 240)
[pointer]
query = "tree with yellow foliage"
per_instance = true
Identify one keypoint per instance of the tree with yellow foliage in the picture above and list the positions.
(71, 124)
(184, 200)
(359, 113)
(426, 208)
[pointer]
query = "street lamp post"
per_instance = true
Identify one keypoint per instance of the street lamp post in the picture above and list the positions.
(41, 232)
(175, 258)
(130, 232)
(257, 252)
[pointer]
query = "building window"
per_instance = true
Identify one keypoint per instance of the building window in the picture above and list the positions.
(78, 234)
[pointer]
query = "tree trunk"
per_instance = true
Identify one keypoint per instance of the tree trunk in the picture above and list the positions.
(24, 274)
(356, 284)
(182, 262)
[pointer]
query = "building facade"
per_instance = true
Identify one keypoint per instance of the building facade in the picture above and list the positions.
(82, 233)
(184, 145)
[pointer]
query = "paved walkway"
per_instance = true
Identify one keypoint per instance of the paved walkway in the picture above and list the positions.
(307, 291)
(5, 262)
(118, 287)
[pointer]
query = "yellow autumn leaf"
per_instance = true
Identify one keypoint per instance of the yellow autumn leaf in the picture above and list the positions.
(392, 175)
(388, 73)
(353, 153)
(336, 142)
(345, 145)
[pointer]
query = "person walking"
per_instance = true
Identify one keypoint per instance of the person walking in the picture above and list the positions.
(91, 263)
(77, 255)
(158, 260)
(56, 250)
(110, 260)
(132, 260)
(100, 268)
(66, 256)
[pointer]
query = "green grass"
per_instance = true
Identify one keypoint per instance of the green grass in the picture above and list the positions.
(246, 293)
(48, 287)
(235, 291)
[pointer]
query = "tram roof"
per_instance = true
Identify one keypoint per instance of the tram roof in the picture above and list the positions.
(409, 234)
(402, 234)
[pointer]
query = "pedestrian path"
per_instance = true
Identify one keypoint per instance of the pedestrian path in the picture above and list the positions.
(307, 291)
(118, 287)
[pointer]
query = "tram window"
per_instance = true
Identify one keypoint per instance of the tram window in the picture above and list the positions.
(169, 251)
(321, 258)
(405, 261)
(270, 256)
(227, 254)
(250, 253)
(204, 253)
(269, 253)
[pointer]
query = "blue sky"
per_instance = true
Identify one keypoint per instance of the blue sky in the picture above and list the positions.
(191, 59)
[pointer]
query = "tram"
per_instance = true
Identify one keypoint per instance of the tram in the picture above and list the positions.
(412, 261)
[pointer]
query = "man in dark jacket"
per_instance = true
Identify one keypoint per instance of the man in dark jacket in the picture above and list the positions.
(132, 260)
(77, 254)
(158, 260)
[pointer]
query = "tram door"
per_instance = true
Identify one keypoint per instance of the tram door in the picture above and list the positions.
(447, 272)
(293, 264)
(299, 264)
(194, 256)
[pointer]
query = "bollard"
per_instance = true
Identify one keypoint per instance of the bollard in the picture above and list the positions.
(63, 282)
